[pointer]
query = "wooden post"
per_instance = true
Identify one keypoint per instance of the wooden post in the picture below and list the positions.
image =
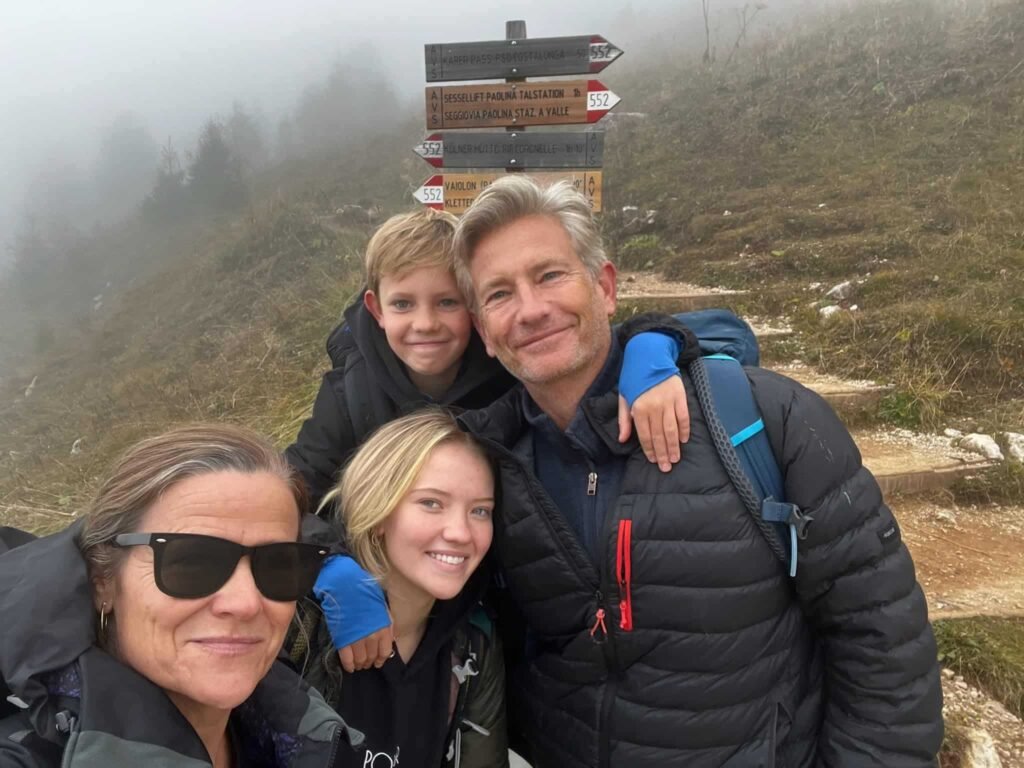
(515, 30)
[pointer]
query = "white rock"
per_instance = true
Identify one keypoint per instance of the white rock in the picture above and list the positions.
(814, 287)
(854, 307)
(1015, 444)
(981, 750)
(822, 205)
(827, 313)
(629, 209)
(946, 516)
(952, 433)
(841, 291)
(31, 386)
(76, 447)
(982, 444)
(727, 213)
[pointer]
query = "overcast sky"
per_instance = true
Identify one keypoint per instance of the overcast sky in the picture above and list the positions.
(67, 68)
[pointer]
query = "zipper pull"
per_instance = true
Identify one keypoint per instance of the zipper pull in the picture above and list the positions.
(592, 484)
(599, 624)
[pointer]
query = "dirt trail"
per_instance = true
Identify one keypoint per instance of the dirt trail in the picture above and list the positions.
(970, 560)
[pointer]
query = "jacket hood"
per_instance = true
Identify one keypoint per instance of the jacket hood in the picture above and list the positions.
(360, 333)
(46, 610)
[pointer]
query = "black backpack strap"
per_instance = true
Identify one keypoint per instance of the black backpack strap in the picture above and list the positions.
(764, 517)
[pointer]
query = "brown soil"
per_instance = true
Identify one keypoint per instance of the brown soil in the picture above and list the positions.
(970, 560)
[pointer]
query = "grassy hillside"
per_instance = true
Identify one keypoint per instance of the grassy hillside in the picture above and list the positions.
(882, 144)
(885, 145)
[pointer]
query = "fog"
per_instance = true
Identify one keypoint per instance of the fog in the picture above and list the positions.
(69, 69)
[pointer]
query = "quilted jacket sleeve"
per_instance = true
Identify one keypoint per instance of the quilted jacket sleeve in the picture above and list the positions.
(857, 585)
(325, 440)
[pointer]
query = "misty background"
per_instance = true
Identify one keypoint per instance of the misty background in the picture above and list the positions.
(93, 91)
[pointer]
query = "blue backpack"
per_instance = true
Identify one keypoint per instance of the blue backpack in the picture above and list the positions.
(737, 430)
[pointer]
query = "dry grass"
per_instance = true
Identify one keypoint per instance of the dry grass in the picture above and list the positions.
(882, 149)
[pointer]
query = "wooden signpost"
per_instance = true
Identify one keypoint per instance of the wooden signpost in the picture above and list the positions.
(520, 149)
(540, 56)
(513, 105)
(499, 105)
(455, 192)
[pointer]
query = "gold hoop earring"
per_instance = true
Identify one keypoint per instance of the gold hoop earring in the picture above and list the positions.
(103, 618)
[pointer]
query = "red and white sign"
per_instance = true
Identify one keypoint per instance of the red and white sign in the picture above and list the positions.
(431, 193)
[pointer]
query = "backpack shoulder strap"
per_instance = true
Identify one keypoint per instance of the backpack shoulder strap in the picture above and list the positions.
(738, 433)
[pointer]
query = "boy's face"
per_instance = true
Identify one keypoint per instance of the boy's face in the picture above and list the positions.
(426, 322)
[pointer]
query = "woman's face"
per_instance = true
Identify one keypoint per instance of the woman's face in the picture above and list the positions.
(442, 528)
(210, 651)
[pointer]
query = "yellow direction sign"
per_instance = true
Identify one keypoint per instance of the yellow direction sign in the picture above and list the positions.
(501, 105)
(455, 192)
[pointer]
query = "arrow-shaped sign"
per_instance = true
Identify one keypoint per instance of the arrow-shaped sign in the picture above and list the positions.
(526, 57)
(519, 149)
(455, 192)
(500, 105)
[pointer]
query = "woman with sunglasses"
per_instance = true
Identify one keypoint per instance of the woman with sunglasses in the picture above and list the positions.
(175, 592)
(417, 502)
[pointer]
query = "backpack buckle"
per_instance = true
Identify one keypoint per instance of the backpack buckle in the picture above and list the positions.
(799, 521)
(787, 514)
(466, 670)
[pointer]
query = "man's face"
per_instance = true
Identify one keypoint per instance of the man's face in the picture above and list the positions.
(540, 312)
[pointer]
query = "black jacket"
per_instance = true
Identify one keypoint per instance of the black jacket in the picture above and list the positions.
(423, 712)
(366, 388)
(98, 713)
(728, 663)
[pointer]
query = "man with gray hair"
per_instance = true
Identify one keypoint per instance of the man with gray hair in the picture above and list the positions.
(660, 628)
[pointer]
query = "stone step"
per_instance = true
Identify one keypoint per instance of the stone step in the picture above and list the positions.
(904, 462)
(671, 304)
(649, 292)
(849, 397)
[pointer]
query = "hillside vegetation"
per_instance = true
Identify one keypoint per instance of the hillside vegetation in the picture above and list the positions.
(883, 143)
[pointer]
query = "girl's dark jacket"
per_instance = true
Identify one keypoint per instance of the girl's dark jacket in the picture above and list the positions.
(98, 713)
(725, 662)
(448, 700)
(366, 388)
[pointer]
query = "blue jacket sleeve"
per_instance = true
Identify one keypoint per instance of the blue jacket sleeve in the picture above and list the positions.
(351, 599)
(649, 359)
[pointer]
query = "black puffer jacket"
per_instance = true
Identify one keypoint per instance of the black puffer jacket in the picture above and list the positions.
(728, 662)
(366, 388)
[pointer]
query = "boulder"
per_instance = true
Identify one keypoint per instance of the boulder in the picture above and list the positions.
(980, 751)
(1015, 445)
(841, 292)
(982, 444)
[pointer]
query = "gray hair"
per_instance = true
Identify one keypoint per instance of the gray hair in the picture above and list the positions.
(514, 197)
(150, 467)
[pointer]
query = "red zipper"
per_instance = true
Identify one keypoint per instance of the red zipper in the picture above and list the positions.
(624, 573)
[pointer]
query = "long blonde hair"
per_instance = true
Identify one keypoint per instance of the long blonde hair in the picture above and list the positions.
(381, 473)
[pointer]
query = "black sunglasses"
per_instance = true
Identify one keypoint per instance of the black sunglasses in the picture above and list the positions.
(190, 565)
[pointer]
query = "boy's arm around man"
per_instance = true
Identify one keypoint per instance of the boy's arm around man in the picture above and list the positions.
(857, 587)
